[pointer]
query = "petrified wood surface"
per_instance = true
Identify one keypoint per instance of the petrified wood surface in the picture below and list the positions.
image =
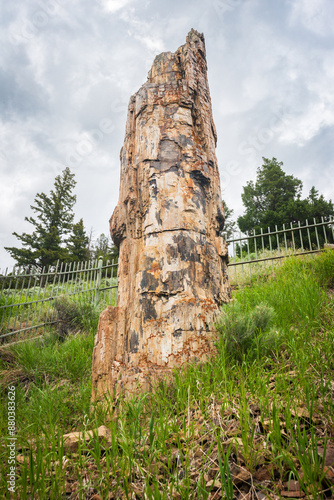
(172, 264)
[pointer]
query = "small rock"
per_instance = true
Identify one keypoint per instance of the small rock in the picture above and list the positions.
(329, 457)
(214, 484)
(261, 496)
(21, 459)
(71, 440)
(292, 485)
(292, 494)
(262, 474)
(243, 477)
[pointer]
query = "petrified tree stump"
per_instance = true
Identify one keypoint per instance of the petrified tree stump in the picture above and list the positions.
(167, 225)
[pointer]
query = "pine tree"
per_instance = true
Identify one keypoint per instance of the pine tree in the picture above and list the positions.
(275, 199)
(105, 248)
(78, 243)
(229, 225)
(53, 222)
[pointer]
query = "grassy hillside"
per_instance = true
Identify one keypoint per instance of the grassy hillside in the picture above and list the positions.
(256, 421)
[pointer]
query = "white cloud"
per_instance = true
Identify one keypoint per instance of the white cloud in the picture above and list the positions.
(144, 31)
(114, 5)
(315, 15)
(304, 127)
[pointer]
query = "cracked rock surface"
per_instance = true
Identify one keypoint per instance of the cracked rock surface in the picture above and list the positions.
(167, 224)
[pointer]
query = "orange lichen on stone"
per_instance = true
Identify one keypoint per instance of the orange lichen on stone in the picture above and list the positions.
(167, 225)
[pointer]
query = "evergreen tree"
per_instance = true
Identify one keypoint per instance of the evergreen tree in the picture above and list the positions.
(77, 244)
(317, 206)
(105, 248)
(275, 199)
(229, 225)
(53, 221)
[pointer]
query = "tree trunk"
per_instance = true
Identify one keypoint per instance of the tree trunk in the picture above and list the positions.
(167, 224)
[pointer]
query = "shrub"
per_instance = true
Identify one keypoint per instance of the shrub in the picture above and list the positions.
(75, 316)
(247, 332)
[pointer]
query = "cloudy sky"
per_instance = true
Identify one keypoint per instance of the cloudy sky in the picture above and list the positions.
(68, 69)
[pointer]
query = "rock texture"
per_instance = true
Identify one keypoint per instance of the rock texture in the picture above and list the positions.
(167, 224)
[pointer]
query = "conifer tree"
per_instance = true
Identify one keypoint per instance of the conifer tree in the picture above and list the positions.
(105, 248)
(275, 199)
(52, 222)
(78, 243)
(230, 225)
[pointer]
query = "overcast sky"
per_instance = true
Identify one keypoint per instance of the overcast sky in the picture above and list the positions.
(68, 69)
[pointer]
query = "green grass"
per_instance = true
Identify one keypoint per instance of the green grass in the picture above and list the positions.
(260, 407)
(241, 274)
(27, 308)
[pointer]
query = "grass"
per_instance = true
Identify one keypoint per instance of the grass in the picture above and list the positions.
(241, 274)
(257, 418)
(25, 308)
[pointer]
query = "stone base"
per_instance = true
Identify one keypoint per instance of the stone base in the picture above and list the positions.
(116, 371)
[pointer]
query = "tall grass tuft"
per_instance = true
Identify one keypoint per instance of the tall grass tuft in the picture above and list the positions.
(76, 315)
(247, 332)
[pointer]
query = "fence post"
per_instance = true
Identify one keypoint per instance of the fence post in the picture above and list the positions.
(98, 280)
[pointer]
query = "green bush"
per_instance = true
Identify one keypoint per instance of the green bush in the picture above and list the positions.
(76, 316)
(247, 333)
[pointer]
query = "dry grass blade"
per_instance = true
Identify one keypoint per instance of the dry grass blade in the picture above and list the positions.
(8, 357)
(14, 376)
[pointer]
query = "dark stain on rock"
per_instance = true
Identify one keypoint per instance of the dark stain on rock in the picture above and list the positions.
(169, 151)
(158, 217)
(202, 180)
(177, 333)
(220, 220)
(199, 199)
(134, 342)
(173, 283)
(186, 248)
(149, 283)
(185, 141)
(154, 188)
(148, 307)
(165, 166)
(200, 195)
(168, 203)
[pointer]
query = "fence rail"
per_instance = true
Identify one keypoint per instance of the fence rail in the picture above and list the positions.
(251, 253)
(28, 297)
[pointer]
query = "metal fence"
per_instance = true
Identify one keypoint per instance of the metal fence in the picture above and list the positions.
(259, 252)
(28, 296)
